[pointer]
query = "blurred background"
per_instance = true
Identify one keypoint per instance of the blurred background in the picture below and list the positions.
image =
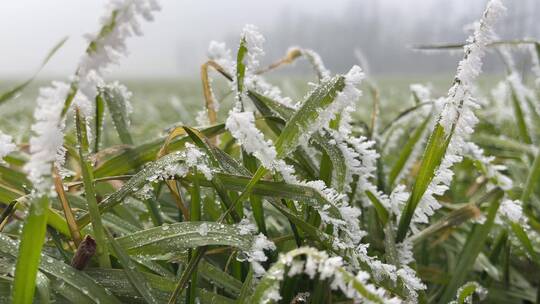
(162, 69)
(382, 31)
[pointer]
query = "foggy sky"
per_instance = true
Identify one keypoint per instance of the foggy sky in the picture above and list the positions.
(175, 43)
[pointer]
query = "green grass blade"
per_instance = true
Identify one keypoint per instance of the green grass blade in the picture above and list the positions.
(66, 279)
(433, 155)
(466, 291)
(241, 66)
(159, 242)
(102, 251)
(301, 121)
(382, 213)
(119, 112)
(116, 281)
(452, 219)
(525, 242)
(520, 118)
(533, 180)
(33, 236)
(406, 152)
(250, 162)
(324, 141)
(471, 250)
(219, 278)
(43, 288)
(135, 277)
(98, 121)
(245, 293)
(195, 215)
(133, 158)
(296, 127)
(132, 185)
(202, 142)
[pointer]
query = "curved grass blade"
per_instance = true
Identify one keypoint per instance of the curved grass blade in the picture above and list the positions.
(473, 247)
(117, 281)
(276, 190)
(54, 219)
(133, 158)
(466, 291)
(302, 120)
(15, 90)
(203, 143)
(132, 185)
(161, 242)
(64, 278)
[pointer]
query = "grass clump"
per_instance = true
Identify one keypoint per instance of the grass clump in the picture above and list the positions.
(282, 200)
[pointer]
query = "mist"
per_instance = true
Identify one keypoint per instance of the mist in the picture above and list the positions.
(380, 32)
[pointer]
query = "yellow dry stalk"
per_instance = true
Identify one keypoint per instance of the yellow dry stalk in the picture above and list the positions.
(289, 58)
(177, 131)
(171, 184)
(207, 91)
(68, 213)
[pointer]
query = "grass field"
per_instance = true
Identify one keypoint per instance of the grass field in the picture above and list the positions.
(161, 103)
(327, 188)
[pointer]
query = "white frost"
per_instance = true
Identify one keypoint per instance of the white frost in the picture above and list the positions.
(256, 254)
(6, 145)
(46, 143)
(512, 210)
(203, 229)
(322, 72)
(254, 41)
(243, 129)
(457, 113)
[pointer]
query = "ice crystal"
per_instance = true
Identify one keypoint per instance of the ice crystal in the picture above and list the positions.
(46, 143)
(6, 145)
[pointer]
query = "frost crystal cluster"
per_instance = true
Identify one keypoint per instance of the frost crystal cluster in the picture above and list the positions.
(457, 117)
(108, 46)
(46, 143)
(6, 145)
(319, 264)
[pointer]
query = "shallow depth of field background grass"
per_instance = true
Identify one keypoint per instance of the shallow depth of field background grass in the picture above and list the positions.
(162, 103)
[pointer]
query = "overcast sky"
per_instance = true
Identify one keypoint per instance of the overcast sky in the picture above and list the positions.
(175, 43)
(178, 37)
